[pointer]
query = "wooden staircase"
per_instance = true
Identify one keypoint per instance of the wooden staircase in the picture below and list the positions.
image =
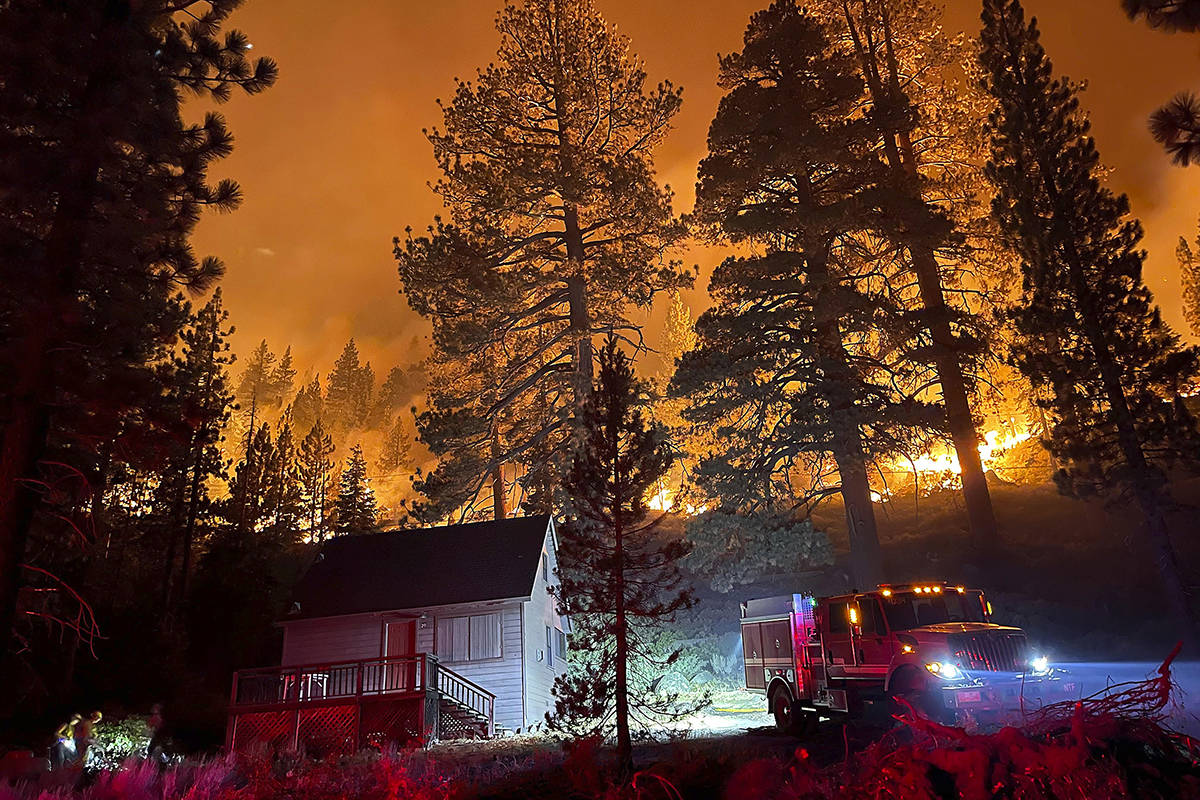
(465, 709)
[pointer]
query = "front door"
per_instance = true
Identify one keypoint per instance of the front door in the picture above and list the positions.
(874, 645)
(839, 644)
(400, 643)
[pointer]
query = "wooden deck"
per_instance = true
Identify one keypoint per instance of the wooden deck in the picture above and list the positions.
(346, 706)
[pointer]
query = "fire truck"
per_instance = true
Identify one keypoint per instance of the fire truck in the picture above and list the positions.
(934, 645)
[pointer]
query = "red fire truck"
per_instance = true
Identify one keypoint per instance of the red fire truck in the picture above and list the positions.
(932, 644)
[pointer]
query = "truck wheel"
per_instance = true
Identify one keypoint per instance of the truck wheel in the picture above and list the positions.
(913, 691)
(790, 718)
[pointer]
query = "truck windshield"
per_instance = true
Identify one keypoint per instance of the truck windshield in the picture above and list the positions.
(907, 610)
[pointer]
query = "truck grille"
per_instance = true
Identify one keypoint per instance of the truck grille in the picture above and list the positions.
(991, 652)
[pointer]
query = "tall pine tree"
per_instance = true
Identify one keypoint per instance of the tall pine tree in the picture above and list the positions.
(103, 182)
(1189, 283)
(354, 508)
(315, 466)
(200, 393)
(619, 579)
(556, 225)
(801, 358)
(1089, 334)
(927, 130)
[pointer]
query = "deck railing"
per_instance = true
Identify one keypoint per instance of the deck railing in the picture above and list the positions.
(279, 687)
(273, 686)
(468, 694)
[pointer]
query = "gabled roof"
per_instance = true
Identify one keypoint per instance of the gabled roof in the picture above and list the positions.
(426, 567)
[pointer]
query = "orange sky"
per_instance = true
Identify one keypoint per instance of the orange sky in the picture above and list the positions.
(333, 163)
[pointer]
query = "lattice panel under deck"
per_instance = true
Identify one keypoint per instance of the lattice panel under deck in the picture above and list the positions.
(332, 729)
(270, 728)
(387, 722)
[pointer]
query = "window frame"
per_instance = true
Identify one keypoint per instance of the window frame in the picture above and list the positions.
(437, 636)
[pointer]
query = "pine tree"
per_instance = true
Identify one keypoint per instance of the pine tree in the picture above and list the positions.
(555, 227)
(200, 394)
(256, 390)
(1189, 279)
(394, 394)
(800, 360)
(282, 499)
(1176, 125)
(1088, 332)
(397, 448)
(315, 467)
(283, 378)
(619, 580)
(103, 183)
(354, 509)
(927, 128)
(246, 506)
(309, 406)
(348, 394)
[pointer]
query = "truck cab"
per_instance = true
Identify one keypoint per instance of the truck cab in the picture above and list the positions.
(932, 646)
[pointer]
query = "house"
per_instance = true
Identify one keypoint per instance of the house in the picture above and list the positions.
(412, 634)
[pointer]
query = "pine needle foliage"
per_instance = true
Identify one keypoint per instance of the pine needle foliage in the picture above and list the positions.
(1089, 336)
(103, 182)
(801, 366)
(554, 226)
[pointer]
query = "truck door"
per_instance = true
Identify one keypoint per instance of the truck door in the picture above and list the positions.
(874, 644)
(839, 644)
(752, 653)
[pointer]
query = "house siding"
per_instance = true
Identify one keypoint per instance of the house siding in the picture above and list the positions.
(360, 636)
(541, 668)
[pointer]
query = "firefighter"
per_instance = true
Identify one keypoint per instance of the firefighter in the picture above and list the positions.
(62, 751)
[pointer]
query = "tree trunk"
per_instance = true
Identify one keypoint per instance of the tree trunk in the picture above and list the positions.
(577, 305)
(865, 558)
(901, 157)
(25, 434)
(621, 623)
(866, 561)
(499, 493)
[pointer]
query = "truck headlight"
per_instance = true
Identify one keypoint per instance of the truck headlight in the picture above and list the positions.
(1039, 665)
(945, 669)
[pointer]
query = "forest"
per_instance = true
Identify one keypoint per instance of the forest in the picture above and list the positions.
(926, 351)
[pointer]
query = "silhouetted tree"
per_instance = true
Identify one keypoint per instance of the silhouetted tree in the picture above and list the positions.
(1088, 332)
(927, 131)
(315, 467)
(200, 393)
(397, 448)
(103, 184)
(619, 578)
(1176, 125)
(309, 406)
(801, 358)
(348, 394)
(354, 508)
(556, 226)
(1189, 280)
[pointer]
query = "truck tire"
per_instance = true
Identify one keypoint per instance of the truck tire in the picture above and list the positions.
(913, 690)
(790, 717)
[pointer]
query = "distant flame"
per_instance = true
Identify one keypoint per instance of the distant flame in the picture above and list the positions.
(667, 499)
(941, 463)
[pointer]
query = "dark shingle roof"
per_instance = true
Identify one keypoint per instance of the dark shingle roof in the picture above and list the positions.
(427, 567)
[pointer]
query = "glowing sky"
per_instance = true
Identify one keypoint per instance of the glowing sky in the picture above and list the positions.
(333, 163)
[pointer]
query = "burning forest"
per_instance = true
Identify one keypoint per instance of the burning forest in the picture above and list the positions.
(829, 430)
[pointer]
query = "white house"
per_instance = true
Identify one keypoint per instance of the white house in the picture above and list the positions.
(473, 595)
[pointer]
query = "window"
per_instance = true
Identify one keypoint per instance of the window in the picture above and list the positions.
(545, 567)
(549, 646)
(560, 644)
(839, 620)
(473, 638)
